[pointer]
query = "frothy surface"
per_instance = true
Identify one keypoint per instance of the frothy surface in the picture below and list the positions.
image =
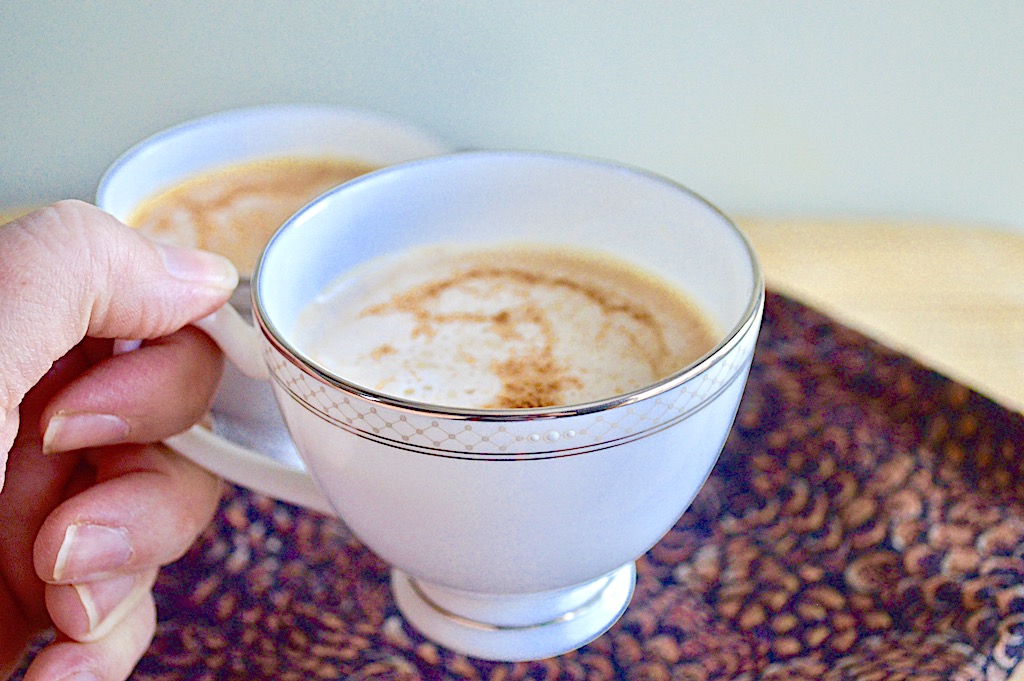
(502, 328)
(235, 210)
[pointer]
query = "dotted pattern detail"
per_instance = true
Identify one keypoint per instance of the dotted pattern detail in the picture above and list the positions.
(470, 437)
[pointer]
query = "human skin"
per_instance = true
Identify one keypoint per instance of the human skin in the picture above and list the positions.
(90, 509)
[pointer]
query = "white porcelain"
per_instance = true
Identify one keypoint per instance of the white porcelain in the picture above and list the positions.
(512, 533)
(247, 422)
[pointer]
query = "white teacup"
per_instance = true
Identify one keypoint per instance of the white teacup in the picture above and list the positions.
(244, 409)
(513, 533)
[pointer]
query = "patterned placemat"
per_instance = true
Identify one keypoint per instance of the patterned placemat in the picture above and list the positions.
(865, 521)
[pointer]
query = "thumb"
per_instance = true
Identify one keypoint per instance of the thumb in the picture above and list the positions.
(71, 270)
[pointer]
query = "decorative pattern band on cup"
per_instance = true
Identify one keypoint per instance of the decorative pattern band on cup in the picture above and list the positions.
(481, 436)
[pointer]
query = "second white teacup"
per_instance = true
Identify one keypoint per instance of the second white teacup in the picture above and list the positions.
(244, 410)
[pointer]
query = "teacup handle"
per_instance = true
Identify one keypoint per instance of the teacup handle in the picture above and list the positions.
(240, 341)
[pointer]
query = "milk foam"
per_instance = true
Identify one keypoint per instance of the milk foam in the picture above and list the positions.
(235, 210)
(503, 327)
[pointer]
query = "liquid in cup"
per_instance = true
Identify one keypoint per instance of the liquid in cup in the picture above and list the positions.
(520, 326)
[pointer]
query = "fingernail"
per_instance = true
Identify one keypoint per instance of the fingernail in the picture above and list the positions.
(199, 267)
(123, 346)
(91, 551)
(81, 675)
(66, 432)
(104, 602)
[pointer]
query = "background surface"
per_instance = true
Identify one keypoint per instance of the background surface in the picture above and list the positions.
(909, 110)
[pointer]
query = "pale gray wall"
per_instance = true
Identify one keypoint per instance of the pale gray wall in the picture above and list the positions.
(909, 109)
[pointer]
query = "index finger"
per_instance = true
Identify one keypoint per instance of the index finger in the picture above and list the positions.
(72, 270)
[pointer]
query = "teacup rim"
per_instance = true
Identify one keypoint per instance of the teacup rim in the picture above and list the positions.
(113, 171)
(727, 340)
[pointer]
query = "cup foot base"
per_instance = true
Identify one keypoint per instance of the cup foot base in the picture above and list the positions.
(519, 642)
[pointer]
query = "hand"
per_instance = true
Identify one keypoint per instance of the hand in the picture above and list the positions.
(88, 511)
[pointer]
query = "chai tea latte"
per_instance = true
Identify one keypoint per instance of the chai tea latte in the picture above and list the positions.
(235, 210)
(507, 327)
